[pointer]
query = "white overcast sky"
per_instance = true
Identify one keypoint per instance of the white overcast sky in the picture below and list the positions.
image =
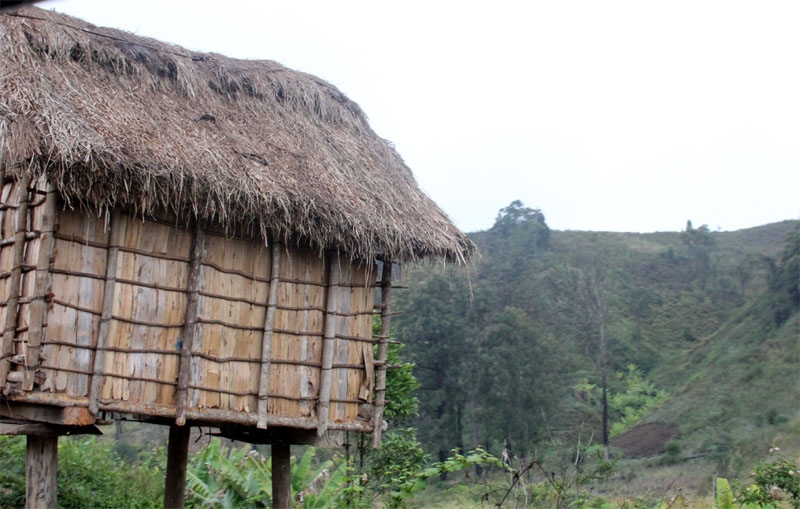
(607, 115)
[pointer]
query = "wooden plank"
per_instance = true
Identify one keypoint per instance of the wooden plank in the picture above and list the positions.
(43, 286)
(189, 333)
(266, 340)
(66, 416)
(328, 344)
(10, 324)
(41, 471)
(105, 318)
(35, 428)
(383, 351)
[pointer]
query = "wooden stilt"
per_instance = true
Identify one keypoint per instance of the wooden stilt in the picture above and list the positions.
(41, 471)
(177, 456)
(281, 476)
(383, 352)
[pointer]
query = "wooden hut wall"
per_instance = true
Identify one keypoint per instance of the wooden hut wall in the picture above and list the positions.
(116, 313)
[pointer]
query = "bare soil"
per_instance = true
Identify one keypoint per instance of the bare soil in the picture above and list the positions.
(646, 440)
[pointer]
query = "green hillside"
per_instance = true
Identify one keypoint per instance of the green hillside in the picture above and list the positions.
(696, 331)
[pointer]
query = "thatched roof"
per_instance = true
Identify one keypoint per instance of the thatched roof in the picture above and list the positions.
(120, 120)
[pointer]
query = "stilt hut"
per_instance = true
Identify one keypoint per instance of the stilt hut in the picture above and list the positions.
(192, 239)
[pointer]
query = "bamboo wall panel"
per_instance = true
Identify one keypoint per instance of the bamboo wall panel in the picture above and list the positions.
(232, 306)
(141, 364)
(74, 317)
(149, 294)
(354, 378)
(297, 340)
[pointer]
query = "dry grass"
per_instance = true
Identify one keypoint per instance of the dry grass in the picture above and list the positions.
(115, 119)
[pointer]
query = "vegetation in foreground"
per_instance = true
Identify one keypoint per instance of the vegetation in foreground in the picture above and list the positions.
(92, 473)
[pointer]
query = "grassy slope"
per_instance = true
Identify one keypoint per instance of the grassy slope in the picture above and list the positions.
(735, 382)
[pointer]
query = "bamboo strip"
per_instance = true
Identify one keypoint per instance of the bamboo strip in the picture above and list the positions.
(227, 298)
(138, 350)
(24, 268)
(111, 374)
(357, 338)
(43, 285)
(328, 341)
(122, 248)
(229, 325)
(105, 317)
(190, 328)
(383, 351)
(75, 273)
(10, 241)
(148, 324)
(25, 300)
(13, 285)
(266, 339)
(237, 272)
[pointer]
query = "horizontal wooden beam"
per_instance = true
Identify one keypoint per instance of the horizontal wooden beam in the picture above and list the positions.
(64, 416)
(41, 429)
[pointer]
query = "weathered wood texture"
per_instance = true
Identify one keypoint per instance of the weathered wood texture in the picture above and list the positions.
(383, 351)
(41, 468)
(122, 298)
(281, 475)
(177, 457)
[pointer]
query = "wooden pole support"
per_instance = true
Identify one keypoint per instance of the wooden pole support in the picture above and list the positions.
(266, 338)
(12, 308)
(328, 345)
(189, 333)
(383, 352)
(105, 318)
(177, 456)
(281, 476)
(44, 283)
(41, 471)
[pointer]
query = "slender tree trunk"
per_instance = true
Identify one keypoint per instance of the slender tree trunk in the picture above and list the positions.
(604, 382)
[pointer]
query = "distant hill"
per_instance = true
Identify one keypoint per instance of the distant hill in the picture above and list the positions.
(509, 349)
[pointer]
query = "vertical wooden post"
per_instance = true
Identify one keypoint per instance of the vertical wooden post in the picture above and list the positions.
(43, 285)
(10, 325)
(328, 344)
(383, 352)
(41, 471)
(281, 476)
(189, 331)
(105, 317)
(266, 338)
(177, 456)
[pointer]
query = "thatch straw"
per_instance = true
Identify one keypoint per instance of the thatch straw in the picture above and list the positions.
(114, 119)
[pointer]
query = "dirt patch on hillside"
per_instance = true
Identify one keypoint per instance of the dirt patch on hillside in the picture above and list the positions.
(646, 440)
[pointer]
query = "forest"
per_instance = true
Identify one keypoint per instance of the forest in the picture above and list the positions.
(671, 348)
(559, 369)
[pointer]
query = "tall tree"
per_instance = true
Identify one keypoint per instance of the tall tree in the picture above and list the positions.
(436, 327)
